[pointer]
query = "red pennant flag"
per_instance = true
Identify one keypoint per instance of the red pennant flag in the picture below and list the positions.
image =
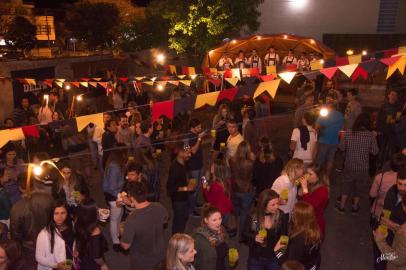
(359, 71)
(216, 82)
(254, 72)
(185, 70)
(48, 82)
(206, 71)
(390, 52)
(165, 78)
(167, 69)
(269, 77)
(76, 84)
(85, 79)
(123, 79)
(94, 84)
(390, 60)
(342, 61)
(162, 108)
(228, 73)
(227, 94)
(329, 72)
(30, 131)
(103, 84)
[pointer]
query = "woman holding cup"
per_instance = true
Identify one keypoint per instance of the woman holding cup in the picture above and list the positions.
(211, 243)
(285, 185)
(263, 230)
(303, 244)
(219, 129)
(55, 247)
(181, 252)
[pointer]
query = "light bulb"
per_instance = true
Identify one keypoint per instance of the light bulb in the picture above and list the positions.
(37, 170)
(323, 112)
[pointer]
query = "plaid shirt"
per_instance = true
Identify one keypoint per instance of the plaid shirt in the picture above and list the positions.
(358, 145)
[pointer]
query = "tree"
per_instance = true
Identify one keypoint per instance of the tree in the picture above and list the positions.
(21, 34)
(96, 23)
(197, 25)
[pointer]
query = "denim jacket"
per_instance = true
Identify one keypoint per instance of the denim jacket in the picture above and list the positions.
(113, 179)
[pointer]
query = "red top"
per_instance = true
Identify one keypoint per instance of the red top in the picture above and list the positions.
(217, 197)
(318, 198)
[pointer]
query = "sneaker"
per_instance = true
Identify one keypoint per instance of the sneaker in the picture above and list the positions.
(355, 211)
(340, 210)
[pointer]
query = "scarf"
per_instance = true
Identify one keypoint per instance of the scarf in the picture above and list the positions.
(215, 238)
(304, 136)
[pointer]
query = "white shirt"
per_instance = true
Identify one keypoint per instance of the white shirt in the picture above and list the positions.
(300, 153)
(271, 59)
(281, 183)
(47, 260)
(97, 138)
(289, 59)
(225, 61)
(257, 63)
(232, 144)
(240, 62)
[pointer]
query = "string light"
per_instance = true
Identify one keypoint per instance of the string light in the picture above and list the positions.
(285, 36)
(364, 52)
(234, 41)
(259, 37)
(324, 112)
(67, 87)
(79, 98)
(193, 76)
(37, 170)
(160, 58)
(160, 87)
(350, 52)
(322, 61)
(312, 41)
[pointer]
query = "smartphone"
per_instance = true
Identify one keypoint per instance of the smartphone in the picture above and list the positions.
(204, 180)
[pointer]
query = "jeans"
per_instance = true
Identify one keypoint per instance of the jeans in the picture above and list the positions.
(115, 218)
(180, 216)
(262, 264)
(196, 174)
(242, 205)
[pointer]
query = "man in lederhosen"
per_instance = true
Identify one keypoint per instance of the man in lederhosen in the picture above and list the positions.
(290, 59)
(271, 58)
(225, 62)
(255, 61)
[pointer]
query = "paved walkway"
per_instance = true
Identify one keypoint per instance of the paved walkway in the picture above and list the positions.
(347, 245)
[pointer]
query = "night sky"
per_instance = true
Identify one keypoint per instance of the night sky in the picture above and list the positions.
(58, 3)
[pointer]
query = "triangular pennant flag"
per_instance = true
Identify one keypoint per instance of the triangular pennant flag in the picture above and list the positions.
(83, 121)
(7, 135)
(348, 69)
(58, 83)
(31, 81)
(359, 71)
(30, 131)
(60, 80)
(181, 76)
(76, 84)
(311, 75)
(215, 82)
(390, 60)
(270, 69)
(186, 82)
(355, 59)
(172, 69)
(48, 82)
(123, 79)
(402, 50)
(341, 61)
(162, 108)
(174, 82)
(96, 79)
(191, 71)
(316, 64)
(369, 66)
(399, 65)
(271, 87)
(232, 81)
(227, 94)
(269, 77)
(329, 72)
(85, 79)
(139, 78)
(153, 79)
(103, 84)
(208, 98)
(94, 84)
(149, 83)
(84, 84)
(390, 52)
(287, 76)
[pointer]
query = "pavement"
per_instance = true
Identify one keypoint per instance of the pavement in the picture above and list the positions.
(347, 245)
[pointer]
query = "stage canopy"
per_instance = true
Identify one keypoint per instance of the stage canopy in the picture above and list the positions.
(281, 42)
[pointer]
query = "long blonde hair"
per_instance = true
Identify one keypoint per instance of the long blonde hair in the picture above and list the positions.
(291, 167)
(178, 244)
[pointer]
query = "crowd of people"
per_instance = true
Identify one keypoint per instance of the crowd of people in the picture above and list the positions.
(242, 188)
(270, 59)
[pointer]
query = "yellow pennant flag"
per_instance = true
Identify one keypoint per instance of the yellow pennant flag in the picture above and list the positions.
(398, 65)
(139, 78)
(270, 86)
(316, 64)
(213, 71)
(31, 81)
(287, 76)
(191, 71)
(181, 76)
(348, 69)
(402, 50)
(270, 70)
(186, 82)
(7, 135)
(85, 84)
(236, 73)
(149, 83)
(172, 69)
(208, 98)
(94, 84)
(60, 80)
(96, 79)
(59, 84)
(83, 121)
(354, 59)
(232, 81)
(174, 82)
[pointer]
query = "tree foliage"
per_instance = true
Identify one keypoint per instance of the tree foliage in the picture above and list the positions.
(21, 34)
(197, 25)
(96, 23)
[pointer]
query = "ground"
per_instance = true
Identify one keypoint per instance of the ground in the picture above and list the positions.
(347, 245)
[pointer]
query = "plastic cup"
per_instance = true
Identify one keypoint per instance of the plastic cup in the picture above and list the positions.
(131, 158)
(284, 194)
(158, 151)
(263, 233)
(284, 240)
(386, 213)
(383, 229)
(68, 263)
(232, 256)
(213, 133)
(389, 119)
(193, 182)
